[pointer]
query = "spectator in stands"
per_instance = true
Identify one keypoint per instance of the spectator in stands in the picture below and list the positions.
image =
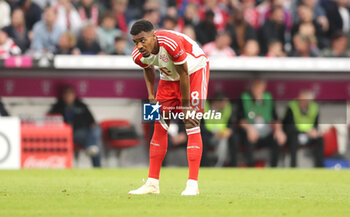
(301, 125)
(258, 123)
(169, 23)
(68, 16)
(3, 111)
(251, 49)
(217, 134)
(308, 26)
(7, 46)
(87, 43)
(220, 16)
(240, 31)
(190, 32)
(86, 132)
(17, 30)
(338, 14)
(151, 12)
(120, 46)
(90, 11)
(220, 47)
(46, 33)
(119, 8)
(273, 29)
(67, 44)
(317, 10)
(265, 11)
(251, 13)
(190, 18)
(275, 49)
(5, 12)
(304, 46)
(32, 12)
(339, 45)
(206, 30)
(106, 33)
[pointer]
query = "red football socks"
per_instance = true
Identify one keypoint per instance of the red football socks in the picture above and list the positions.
(194, 151)
(158, 148)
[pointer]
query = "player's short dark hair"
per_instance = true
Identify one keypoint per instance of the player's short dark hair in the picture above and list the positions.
(141, 26)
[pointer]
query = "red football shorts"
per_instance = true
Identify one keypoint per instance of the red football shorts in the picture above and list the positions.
(169, 94)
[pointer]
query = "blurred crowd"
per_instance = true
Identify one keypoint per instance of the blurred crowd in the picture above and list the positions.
(272, 28)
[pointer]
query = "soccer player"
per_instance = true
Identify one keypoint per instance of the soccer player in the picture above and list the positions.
(184, 74)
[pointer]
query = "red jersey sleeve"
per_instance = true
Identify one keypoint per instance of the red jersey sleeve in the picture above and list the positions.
(136, 56)
(174, 47)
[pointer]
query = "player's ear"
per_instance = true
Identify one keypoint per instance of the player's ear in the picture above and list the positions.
(154, 35)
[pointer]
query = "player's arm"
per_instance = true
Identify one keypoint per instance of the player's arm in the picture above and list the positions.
(150, 74)
(185, 93)
(184, 83)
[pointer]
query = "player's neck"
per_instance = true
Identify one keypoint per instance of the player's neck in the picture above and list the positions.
(156, 48)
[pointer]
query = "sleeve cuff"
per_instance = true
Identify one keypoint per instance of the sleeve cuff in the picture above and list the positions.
(181, 62)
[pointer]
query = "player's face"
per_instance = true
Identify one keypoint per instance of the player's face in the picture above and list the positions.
(145, 42)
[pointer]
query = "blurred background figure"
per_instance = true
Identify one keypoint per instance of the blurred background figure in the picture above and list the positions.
(338, 14)
(206, 30)
(219, 14)
(46, 33)
(220, 47)
(169, 23)
(87, 43)
(273, 29)
(190, 18)
(67, 44)
(308, 26)
(151, 12)
(339, 46)
(240, 31)
(3, 111)
(7, 46)
(301, 125)
(317, 10)
(217, 134)
(304, 46)
(86, 131)
(106, 33)
(90, 11)
(32, 12)
(17, 30)
(120, 46)
(190, 32)
(259, 125)
(251, 49)
(119, 8)
(275, 49)
(5, 12)
(68, 16)
(177, 142)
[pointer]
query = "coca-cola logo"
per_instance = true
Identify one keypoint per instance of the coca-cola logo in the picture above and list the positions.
(48, 162)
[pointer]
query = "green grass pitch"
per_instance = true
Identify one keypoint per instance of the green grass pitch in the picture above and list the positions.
(224, 193)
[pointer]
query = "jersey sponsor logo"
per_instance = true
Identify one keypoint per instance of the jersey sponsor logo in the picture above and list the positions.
(164, 58)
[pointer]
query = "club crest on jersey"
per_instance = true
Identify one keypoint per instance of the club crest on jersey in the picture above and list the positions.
(164, 58)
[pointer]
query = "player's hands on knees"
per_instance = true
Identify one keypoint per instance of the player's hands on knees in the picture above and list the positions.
(190, 122)
(152, 100)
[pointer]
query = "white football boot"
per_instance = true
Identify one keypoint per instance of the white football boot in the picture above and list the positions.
(191, 188)
(150, 187)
